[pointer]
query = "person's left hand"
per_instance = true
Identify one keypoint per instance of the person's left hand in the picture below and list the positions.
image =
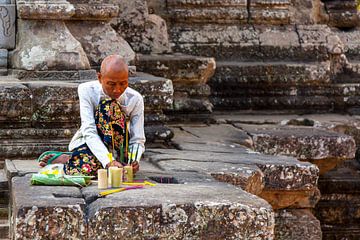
(135, 166)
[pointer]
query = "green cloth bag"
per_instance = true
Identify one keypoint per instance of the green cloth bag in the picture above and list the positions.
(60, 180)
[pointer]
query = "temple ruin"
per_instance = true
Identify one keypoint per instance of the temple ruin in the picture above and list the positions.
(251, 117)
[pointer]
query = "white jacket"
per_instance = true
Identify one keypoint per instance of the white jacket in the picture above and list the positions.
(132, 104)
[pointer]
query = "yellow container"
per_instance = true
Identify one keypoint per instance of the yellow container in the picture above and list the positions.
(129, 173)
(116, 174)
(102, 179)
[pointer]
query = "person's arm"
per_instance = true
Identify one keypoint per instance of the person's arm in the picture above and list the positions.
(88, 127)
(137, 133)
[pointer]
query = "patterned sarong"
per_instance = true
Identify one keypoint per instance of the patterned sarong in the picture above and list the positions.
(111, 124)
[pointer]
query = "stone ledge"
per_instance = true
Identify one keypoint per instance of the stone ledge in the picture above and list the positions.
(163, 211)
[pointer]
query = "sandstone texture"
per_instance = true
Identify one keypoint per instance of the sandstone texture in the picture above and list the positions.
(47, 45)
(100, 40)
(189, 75)
(58, 213)
(146, 33)
(297, 224)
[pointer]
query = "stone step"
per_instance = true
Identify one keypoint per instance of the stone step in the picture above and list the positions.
(4, 228)
(189, 75)
(269, 74)
(259, 43)
(305, 143)
(341, 232)
(229, 11)
(331, 97)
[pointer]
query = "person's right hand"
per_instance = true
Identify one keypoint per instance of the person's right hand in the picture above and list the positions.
(114, 164)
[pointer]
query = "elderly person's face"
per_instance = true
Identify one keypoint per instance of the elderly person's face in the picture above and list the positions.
(114, 82)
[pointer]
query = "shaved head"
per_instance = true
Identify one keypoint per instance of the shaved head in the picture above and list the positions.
(114, 76)
(114, 63)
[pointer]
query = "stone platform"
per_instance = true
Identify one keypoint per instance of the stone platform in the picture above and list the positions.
(206, 173)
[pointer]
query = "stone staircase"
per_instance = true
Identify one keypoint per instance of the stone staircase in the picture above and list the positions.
(266, 58)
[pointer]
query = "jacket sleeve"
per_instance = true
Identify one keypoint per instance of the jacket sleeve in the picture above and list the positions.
(137, 133)
(88, 127)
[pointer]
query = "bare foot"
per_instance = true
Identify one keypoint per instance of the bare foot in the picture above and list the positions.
(63, 158)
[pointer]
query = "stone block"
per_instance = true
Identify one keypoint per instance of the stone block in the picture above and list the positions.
(54, 104)
(58, 213)
(307, 144)
(231, 77)
(269, 12)
(157, 91)
(8, 19)
(80, 75)
(15, 101)
(146, 33)
(296, 224)
(47, 45)
(162, 213)
(342, 14)
(99, 40)
(3, 58)
(31, 142)
(181, 69)
(94, 11)
(38, 9)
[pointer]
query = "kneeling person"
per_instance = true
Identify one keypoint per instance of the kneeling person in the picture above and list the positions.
(112, 121)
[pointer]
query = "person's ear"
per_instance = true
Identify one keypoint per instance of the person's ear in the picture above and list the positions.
(99, 76)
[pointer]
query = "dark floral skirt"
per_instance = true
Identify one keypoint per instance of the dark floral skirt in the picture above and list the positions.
(111, 124)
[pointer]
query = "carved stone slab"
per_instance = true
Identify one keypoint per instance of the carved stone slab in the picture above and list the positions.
(7, 28)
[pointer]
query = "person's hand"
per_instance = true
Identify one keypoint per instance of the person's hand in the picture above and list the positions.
(114, 164)
(135, 166)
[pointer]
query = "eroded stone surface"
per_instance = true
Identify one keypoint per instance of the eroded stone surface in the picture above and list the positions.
(296, 224)
(100, 40)
(163, 214)
(308, 144)
(47, 45)
(58, 213)
(145, 32)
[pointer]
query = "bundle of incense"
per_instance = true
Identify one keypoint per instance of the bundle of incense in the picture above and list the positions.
(139, 183)
(108, 192)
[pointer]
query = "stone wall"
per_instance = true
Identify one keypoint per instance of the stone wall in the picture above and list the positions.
(270, 54)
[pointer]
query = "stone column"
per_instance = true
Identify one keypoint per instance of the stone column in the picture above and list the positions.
(7, 33)
(44, 42)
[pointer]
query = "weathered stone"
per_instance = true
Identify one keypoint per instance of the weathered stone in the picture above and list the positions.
(3, 58)
(228, 42)
(296, 224)
(164, 214)
(157, 91)
(230, 11)
(181, 69)
(303, 12)
(255, 74)
(189, 75)
(31, 142)
(155, 37)
(100, 40)
(7, 33)
(79, 75)
(93, 11)
(145, 32)
(15, 101)
(342, 14)
(54, 104)
(47, 45)
(58, 213)
(38, 9)
(269, 12)
(308, 144)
